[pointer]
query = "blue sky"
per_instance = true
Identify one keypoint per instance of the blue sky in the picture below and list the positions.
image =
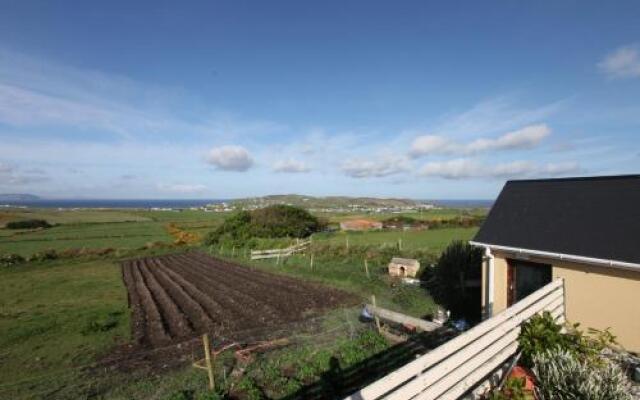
(231, 99)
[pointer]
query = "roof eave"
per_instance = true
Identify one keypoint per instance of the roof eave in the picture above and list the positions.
(562, 256)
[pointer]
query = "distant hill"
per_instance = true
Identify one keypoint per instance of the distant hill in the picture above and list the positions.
(18, 197)
(325, 202)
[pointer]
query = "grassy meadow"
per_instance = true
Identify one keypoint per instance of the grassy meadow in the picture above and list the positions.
(59, 315)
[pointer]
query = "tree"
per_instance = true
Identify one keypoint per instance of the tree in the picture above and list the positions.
(270, 222)
(458, 265)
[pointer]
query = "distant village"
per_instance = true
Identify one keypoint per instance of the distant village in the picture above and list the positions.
(225, 207)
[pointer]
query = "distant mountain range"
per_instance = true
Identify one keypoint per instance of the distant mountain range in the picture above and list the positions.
(18, 197)
(324, 202)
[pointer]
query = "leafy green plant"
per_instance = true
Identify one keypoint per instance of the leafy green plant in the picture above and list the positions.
(541, 333)
(561, 374)
(513, 389)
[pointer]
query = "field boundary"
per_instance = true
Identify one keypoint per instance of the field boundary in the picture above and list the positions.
(277, 253)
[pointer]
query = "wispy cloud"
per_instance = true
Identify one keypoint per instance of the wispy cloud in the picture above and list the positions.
(230, 158)
(492, 116)
(375, 167)
(37, 93)
(464, 168)
(623, 62)
(13, 176)
(291, 166)
(524, 138)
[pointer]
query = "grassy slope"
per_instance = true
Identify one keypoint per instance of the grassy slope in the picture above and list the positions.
(46, 314)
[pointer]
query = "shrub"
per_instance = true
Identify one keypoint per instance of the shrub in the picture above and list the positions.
(560, 375)
(270, 222)
(44, 255)
(541, 333)
(10, 260)
(459, 263)
(28, 224)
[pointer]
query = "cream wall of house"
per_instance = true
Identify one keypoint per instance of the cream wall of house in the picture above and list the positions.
(596, 297)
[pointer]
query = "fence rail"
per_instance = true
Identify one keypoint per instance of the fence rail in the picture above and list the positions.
(451, 370)
(277, 253)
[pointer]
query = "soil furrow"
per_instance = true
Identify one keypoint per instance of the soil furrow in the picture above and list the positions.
(137, 314)
(290, 285)
(175, 320)
(271, 299)
(193, 310)
(155, 333)
(301, 293)
(247, 306)
(177, 296)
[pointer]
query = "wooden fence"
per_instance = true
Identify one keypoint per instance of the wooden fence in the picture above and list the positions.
(301, 246)
(456, 367)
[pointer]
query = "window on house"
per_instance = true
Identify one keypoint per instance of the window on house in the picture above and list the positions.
(524, 278)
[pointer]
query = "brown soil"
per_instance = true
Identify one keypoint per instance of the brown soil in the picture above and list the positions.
(177, 297)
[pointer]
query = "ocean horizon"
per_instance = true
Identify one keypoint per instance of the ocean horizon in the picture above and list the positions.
(188, 203)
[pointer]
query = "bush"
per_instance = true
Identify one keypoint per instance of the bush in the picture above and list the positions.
(561, 375)
(45, 255)
(10, 260)
(541, 333)
(460, 262)
(28, 224)
(270, 222)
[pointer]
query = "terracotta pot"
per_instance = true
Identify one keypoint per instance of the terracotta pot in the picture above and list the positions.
(522, 372)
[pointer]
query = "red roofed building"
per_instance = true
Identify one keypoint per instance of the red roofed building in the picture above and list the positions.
(360, 225)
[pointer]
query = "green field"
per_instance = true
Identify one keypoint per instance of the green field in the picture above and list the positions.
(57, 316)
(428, 240)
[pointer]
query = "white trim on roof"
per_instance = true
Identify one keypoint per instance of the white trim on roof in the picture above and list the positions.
(561, 256)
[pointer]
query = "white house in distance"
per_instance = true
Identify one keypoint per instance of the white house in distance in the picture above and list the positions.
(584, 230)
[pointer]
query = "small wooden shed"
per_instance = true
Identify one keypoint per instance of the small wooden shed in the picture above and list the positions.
(404, 267)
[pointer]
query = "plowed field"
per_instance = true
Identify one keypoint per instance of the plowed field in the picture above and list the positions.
(178, 296)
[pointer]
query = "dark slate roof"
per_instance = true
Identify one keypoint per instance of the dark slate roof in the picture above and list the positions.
(596, 217)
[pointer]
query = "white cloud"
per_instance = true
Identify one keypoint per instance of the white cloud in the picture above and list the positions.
(182, 188)
(524, 138)
(464, 168)
(514, 169)
(624, 62)
(291, 166)
(430, 144)
(562, 168)
(451, 169)
(375, 167)
(230, 158)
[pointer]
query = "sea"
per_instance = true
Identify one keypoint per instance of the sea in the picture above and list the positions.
(112, 203)
(187, 203)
